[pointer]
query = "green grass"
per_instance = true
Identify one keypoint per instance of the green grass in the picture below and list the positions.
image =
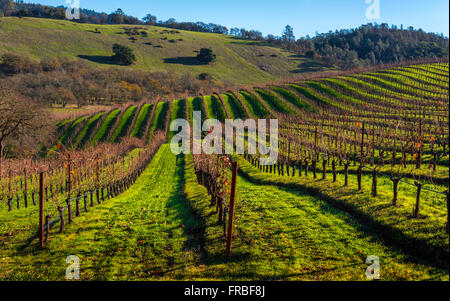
(310, 94)
(181, 113)
(141, 121)
(273, 101)
(293, 98)
(142, 234)
(178, 112)
(238, 61)
(294, 236)
(424, 236)
(106, 126)
(323, 88)
(284, 234)
(254, 106)
(196, 104)
(124, 123)
(159, 118)
(163, 228)
(215, 108)
(234, 106)
(70, 130)
(63, 123)
(84, 134)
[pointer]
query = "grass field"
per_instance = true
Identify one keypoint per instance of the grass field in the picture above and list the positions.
(124, 123)
(215, 108)
(138, 235)
(238, 61)
(159, 119)
(141, 121)
(162, 229)
(425, 236)
(105, 128)
(84, 134)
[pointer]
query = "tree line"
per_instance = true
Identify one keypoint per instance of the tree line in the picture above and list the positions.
(369, 44)
(20, 9)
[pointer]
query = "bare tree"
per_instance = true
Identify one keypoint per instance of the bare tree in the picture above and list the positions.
(22, 123)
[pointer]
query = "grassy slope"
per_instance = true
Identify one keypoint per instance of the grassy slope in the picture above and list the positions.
(282, 234)
(159, 119)
(124, 123)
(70, 131)
(196, 104)
(273, 101)
(141, 121)
(232, 106)
(300, 237)
(238, 107)
(83, 135)
(425, 235)
(255, 108)
(105, 127)
(238, 61)
(293, 98)
(176, 109)
(141, 234)
(215, 108)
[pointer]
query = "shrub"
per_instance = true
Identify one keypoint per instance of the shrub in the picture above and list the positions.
(204, 76)
(206, 56)
(310, 54)
(12, 63)
(50, 64)
(123, 55)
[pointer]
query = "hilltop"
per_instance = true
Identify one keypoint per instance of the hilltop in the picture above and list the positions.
(157, 49)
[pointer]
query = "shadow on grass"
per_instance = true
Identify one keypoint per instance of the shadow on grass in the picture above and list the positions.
(307, 66)
(248, 42)
(287, 276)
(184, 60)
(100, 59)
(415, 247)
(199, 236)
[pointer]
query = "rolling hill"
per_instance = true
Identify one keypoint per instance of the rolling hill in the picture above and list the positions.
(157, 49)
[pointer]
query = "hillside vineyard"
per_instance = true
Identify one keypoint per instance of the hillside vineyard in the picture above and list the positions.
(362, 170)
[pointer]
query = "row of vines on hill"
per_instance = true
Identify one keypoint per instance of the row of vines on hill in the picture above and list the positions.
(73, 173)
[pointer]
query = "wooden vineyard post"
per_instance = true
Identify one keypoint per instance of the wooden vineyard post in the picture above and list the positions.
(419, 150)
(97, 179)
(314, 160)
(232, 205)
(25, 195)
(448, 210)
(9, 190)
(361, 159)
(1, 160)
(47, 231)
(41, 209)
(69, 189)
(417, 206)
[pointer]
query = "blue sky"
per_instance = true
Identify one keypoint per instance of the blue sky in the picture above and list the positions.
(271, 16)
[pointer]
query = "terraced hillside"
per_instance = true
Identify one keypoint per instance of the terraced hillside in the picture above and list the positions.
(418, 89)
(362, 170)
(332, 104)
